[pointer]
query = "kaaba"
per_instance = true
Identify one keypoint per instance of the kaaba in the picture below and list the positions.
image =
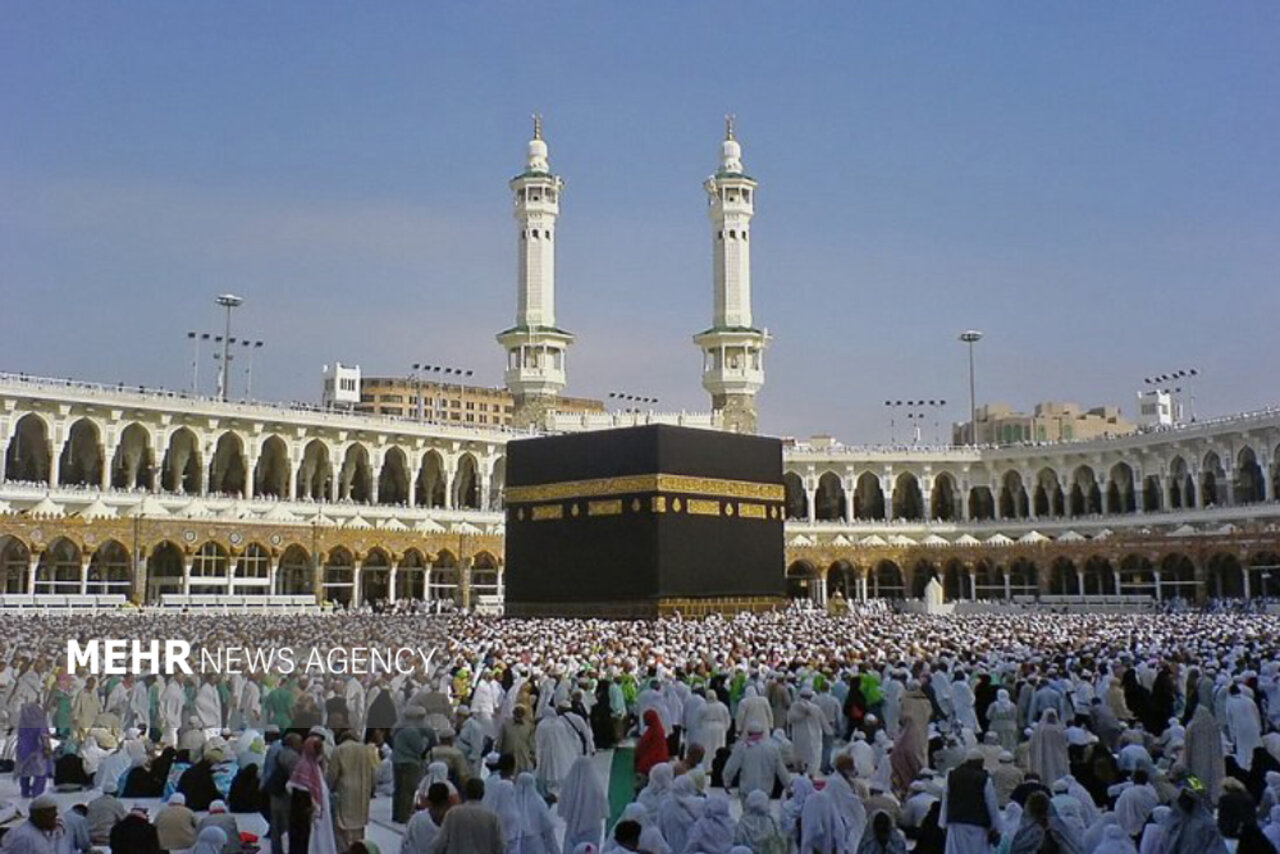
(644, 521)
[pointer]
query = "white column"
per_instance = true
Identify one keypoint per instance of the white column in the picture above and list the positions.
(336, 485)
(1008, 587)
(33, 561)
(1080, 581)
(1159, 588)
(186, 576)
(355, 581)
(1244, 574)
(415, 473)
(84, 576)
(973, 585)
(848, 501)
(812, 494)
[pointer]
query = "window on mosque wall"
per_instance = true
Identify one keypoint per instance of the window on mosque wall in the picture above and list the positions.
(393, 410)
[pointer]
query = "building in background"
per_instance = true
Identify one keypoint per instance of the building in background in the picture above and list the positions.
(341, 386)
(457, 403)
(1050, 421)
(1157, 409)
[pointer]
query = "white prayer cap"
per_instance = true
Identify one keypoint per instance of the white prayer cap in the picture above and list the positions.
(44, 802)
(178, 799)
(973, 754)
(109, 787)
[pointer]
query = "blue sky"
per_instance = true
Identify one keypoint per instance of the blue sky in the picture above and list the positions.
(1095, 185)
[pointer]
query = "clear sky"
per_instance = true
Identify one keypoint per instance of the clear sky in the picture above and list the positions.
(1094, 185)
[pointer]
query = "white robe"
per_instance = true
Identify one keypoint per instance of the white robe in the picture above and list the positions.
(712, 728)
(557, 746)
(172, 701)
(808, 724)
(209, 706)
(1244, 727)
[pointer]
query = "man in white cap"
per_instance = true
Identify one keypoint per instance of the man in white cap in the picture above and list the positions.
(103, 812)
(41, 833)
(219, 817)
(970, 813)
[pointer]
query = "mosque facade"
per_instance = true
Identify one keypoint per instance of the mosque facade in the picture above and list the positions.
(112, 495)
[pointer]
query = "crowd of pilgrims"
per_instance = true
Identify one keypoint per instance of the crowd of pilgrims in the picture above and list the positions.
(797, 731)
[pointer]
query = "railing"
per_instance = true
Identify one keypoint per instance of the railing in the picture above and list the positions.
(1172, 433)
(128, 394)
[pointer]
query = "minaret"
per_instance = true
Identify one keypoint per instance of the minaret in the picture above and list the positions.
(535, 347)
(732, 349)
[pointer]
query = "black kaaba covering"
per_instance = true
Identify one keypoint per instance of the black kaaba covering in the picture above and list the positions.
(642, 521)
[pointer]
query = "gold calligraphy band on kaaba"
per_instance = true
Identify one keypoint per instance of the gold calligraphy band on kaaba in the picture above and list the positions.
(646, 483)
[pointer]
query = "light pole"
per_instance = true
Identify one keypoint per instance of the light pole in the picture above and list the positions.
(971, 337)
(250, 348)
(195, 338)
(227, 301)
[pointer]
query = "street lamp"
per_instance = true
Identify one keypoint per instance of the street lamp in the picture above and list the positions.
(250, 348)
(195, 338)
(971, 337)
(227, 301)
(621, 396)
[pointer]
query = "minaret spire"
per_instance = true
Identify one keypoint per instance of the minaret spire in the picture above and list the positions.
(733, 348)
(535, 346)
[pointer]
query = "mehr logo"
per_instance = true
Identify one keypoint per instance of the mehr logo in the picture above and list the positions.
(120, 657)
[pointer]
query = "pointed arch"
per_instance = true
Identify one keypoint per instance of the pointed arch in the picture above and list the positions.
(1178, 577)
(228, 470)
(295, 576)
(271, 475)
(829, 500)
(393, 479)
(842, 578)
(15, 564)
(375, 577)
(1250, 485)
(29, 456)
(1099, 577)
(443, 582)
(1063, 579)
(800, 578)
(134, 461)
(164, 570)
(955, 584)
(210, 569)
(922, 573)
(355, 478)
(982, 506)
(1048, 499)
(431, 480)
(943, 498)
(466, 483)
(81, 460)
(868, 497)
(110, 569)
(182, 468)
(1152, 494)
(484, 576)
(1013, 496)
(59, 569)
(411, 576)
(1086, 495)
(886, 582)
(1225, 576)
(1121, 493)
(1182, 486)
(497, 483)
(1024, 577)
(1137, 576)
(339, 576)
(908, 500)
(1264, 571)
(315, 473)
(1212, 479)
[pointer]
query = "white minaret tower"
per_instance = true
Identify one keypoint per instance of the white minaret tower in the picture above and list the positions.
(535, 347)
(732, 349)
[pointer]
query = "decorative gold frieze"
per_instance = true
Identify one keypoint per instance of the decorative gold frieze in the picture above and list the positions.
(753, 511)
(544, 512)
(644, 483)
